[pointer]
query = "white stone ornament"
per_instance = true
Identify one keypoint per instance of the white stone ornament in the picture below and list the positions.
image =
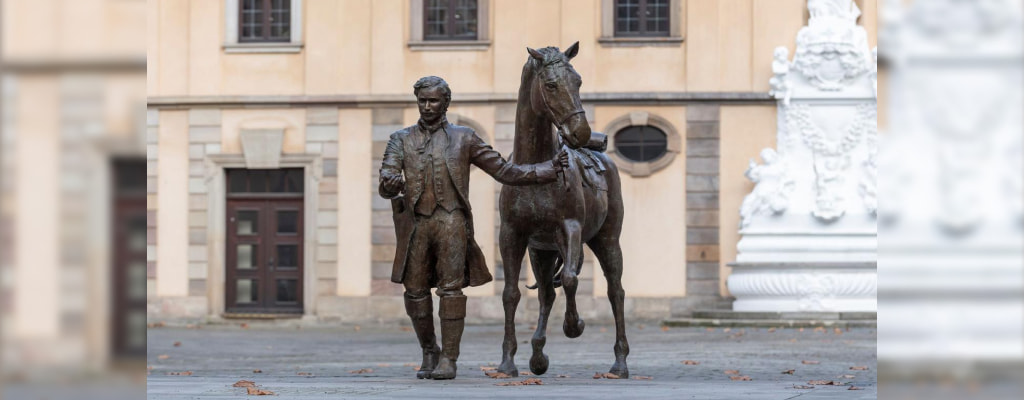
(808, 227)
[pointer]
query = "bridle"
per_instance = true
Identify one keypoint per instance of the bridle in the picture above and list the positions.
(560, 122)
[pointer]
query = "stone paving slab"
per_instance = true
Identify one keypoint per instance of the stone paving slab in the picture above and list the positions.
(315, 363)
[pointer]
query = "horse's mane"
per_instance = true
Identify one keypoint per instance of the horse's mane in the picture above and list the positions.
(550, 53)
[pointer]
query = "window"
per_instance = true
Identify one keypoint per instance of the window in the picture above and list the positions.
(450, 20)
(641, 143)
(641, 18)
(265, 21)
(249, 181)
(262, 26)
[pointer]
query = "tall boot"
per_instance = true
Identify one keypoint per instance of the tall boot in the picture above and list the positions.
(421, 312)
(453, 320)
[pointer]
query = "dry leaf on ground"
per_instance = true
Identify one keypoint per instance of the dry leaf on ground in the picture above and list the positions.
(740, 378)
(690, 362)
(732, 372)
(789, 371)
(406, 329)
(825, 383)
(244, 325)
(847, 376)
(257, 371)
(820, 329)
(526, 373)
(664, 329)
(854, 388)
(727, 330)
(183, 373)
(162, 357)
(416, 368)
(643, 378)
(357, 328)
(837, 331)
(810, 362)
(307, 373)
(603, 330)
(497, 375)
(361, 371)
(640, 327)
(529, 381)
(258, 392)
(486, 368)
(244, 383)
(771, 329)
(606, 375)
(859, 368)
(802, 387)
(155, 325)
(561, 376)
(177, 344)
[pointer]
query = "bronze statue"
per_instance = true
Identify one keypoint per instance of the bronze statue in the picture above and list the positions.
(425, 173)
(554, 220)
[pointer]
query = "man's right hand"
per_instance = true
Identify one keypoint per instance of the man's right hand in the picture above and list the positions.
(394, 183)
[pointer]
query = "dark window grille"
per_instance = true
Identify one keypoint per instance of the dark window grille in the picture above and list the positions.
(450, 20)
(642, 18)
(265, 21)
(641, 143)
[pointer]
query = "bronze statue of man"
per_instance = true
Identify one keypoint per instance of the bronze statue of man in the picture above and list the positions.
(425, 173)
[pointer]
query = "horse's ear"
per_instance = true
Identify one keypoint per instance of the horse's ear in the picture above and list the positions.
(535, 54)
(572, 50)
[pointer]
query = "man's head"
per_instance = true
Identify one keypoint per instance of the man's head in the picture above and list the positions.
(432, 97)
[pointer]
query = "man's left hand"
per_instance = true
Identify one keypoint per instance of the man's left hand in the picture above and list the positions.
(563, 159)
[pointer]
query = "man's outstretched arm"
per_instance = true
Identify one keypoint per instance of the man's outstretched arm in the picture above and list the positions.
(491, 162)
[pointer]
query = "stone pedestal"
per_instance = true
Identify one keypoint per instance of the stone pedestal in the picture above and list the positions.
(808, 227)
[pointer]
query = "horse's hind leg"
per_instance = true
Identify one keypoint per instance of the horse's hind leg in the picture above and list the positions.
(513, 248)
(543, 267)
(570, 244)
(609, 254)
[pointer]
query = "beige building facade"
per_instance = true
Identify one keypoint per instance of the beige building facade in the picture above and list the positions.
(320, 101)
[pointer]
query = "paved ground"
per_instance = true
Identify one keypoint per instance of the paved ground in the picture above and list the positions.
(310, 363)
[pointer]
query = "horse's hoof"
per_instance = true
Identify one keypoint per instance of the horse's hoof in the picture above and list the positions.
(572, 330)
(539, 363)
(509, 368)
(620, 369)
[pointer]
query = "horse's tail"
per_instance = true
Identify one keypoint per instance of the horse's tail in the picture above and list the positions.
(557, 274)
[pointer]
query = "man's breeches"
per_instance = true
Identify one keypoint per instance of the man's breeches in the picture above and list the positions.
(437, 249)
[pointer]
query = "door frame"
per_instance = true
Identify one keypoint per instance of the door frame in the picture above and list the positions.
(216, 215)
(265, 238)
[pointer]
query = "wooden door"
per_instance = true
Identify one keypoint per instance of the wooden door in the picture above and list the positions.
(128, 270)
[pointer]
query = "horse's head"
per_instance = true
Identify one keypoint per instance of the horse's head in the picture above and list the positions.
(556, 92)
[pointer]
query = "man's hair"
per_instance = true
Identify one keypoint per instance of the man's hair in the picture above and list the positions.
(427, 82)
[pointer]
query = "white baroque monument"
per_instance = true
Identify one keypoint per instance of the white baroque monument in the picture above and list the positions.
(808, 228)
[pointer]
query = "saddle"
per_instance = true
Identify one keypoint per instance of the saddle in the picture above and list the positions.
(590, 165)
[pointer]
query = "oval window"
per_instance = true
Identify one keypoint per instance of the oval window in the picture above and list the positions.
(643, 143)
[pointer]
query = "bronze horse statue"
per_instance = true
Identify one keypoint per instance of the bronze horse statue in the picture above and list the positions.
(554, 220)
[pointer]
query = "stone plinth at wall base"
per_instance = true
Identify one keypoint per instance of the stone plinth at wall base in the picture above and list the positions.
(763, 319)
(804, 286)
(177, 308)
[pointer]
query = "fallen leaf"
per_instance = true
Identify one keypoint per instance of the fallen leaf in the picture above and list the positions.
(162, 357)
(789, 371)
(859, 368)
(244, 383)
(690, 362)
(606, 375)
(526, 373)
(732, 372)
(155, 325)
(727, 330)
(416, 368)
(149, 368)
(258, 392)
(183, 373)
(825, 383)
(191, 326)
(257, 371)
(640, 327)
(311, 374)
(792, 340)
(802, 387)
(847, 376)
(740, 378)
(664, 329)
(244, 325)
(383, 365)
(603, 330)
(362, 371)
(561, 376)
(810, 362)
(533, 327)
(771, 329)
(529, 381)
(486, 368)
(177, 344)
(497, 375)
(800, 330)
(854, 388)
(837, 331)
(642, 378)
(820, 329)
(357, 328)
(709, 329)
(406, 329)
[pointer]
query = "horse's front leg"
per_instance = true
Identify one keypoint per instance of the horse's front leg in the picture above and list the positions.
(543, 263)
(513, 248)
(571, 246)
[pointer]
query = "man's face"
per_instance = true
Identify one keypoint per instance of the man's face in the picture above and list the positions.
(431, 102)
